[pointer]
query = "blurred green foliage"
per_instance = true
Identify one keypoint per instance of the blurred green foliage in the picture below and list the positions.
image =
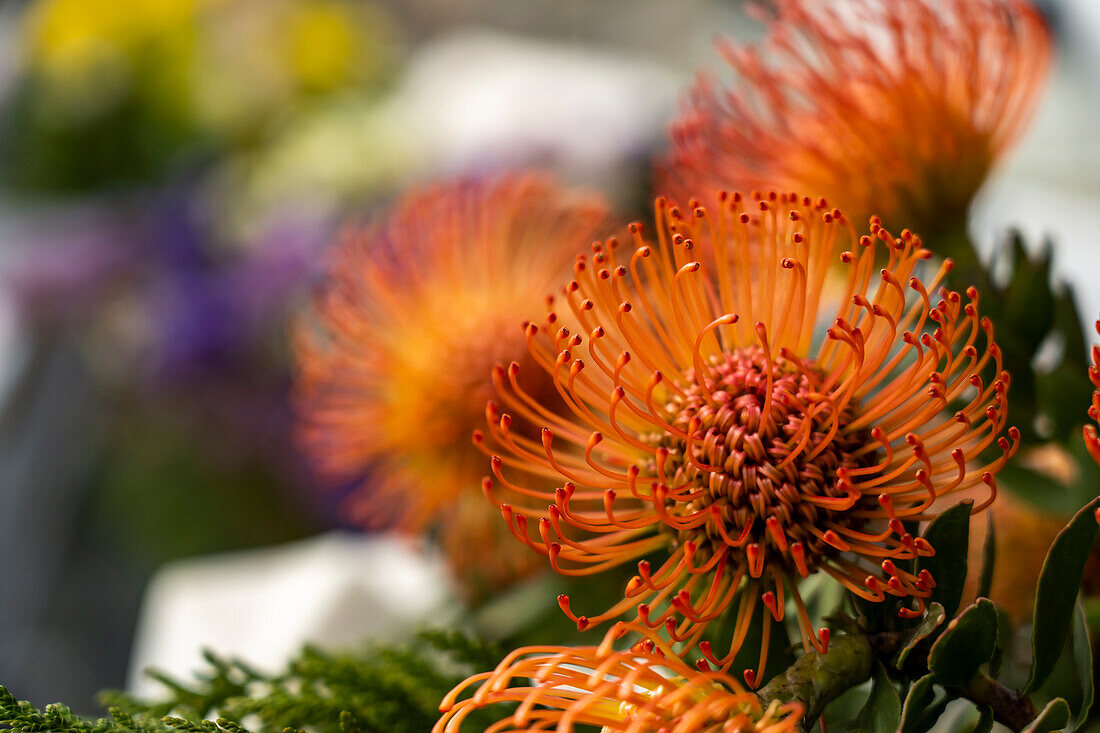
(380, 689)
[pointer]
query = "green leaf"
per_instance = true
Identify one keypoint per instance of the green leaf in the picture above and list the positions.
(920, 696)
(929, 718)
(1004, 638)
(985, 721)
(1059, 582)
(989, 557)
(883, 709)
(1082, 661)
(949, 535)
(966, 644)
(933, 618)
(1063, 390)
(1028, 301)
(1067, 321)
(1053, 717)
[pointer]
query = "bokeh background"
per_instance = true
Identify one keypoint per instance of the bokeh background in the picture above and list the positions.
(171, 173)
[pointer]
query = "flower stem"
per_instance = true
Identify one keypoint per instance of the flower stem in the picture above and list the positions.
(1010, 707)
(818, 679)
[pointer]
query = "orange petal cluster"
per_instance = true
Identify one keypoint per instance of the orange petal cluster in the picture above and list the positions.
(645, 689)
(1092, 440)
(895, 107)
(707, 422)
(393, 361)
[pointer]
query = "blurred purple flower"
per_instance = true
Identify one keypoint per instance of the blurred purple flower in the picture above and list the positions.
(60, 261)
(196, 307)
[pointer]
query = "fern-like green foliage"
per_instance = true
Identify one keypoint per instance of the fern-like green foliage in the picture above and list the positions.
(385, 688)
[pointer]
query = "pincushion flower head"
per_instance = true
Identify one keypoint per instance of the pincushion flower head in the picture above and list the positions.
(393, 366)
(644, 689)
(890, 107)
(704, 421)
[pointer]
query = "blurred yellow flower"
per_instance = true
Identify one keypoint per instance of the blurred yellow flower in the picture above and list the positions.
(73, 37)
(88, 55)
(219, 66)
(321, 44)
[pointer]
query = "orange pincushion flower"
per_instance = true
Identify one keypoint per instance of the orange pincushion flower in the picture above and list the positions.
(895, 107)
(1092, 440)
(645, 689)
(704, 421)
(393, 367)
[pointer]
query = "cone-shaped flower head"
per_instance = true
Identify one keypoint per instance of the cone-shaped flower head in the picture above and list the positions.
(645, 689)
(705, 421)
(894, 107)
(1092, 439)
(393, 365)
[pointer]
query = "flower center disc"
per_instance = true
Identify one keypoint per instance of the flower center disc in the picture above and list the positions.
(755, 478)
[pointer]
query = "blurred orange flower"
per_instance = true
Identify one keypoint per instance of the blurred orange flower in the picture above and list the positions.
(647, 688)
(394, 365)
(705, 423)
(894, 107)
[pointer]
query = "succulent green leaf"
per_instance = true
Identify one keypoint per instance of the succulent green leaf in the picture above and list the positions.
(1082, 662)
(929, 718)
(949, 535)
(985, 722)
(933, 618)
(1053, 717)
(883, 708)
(920, 697)
(1056, 593)
(965, 645)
